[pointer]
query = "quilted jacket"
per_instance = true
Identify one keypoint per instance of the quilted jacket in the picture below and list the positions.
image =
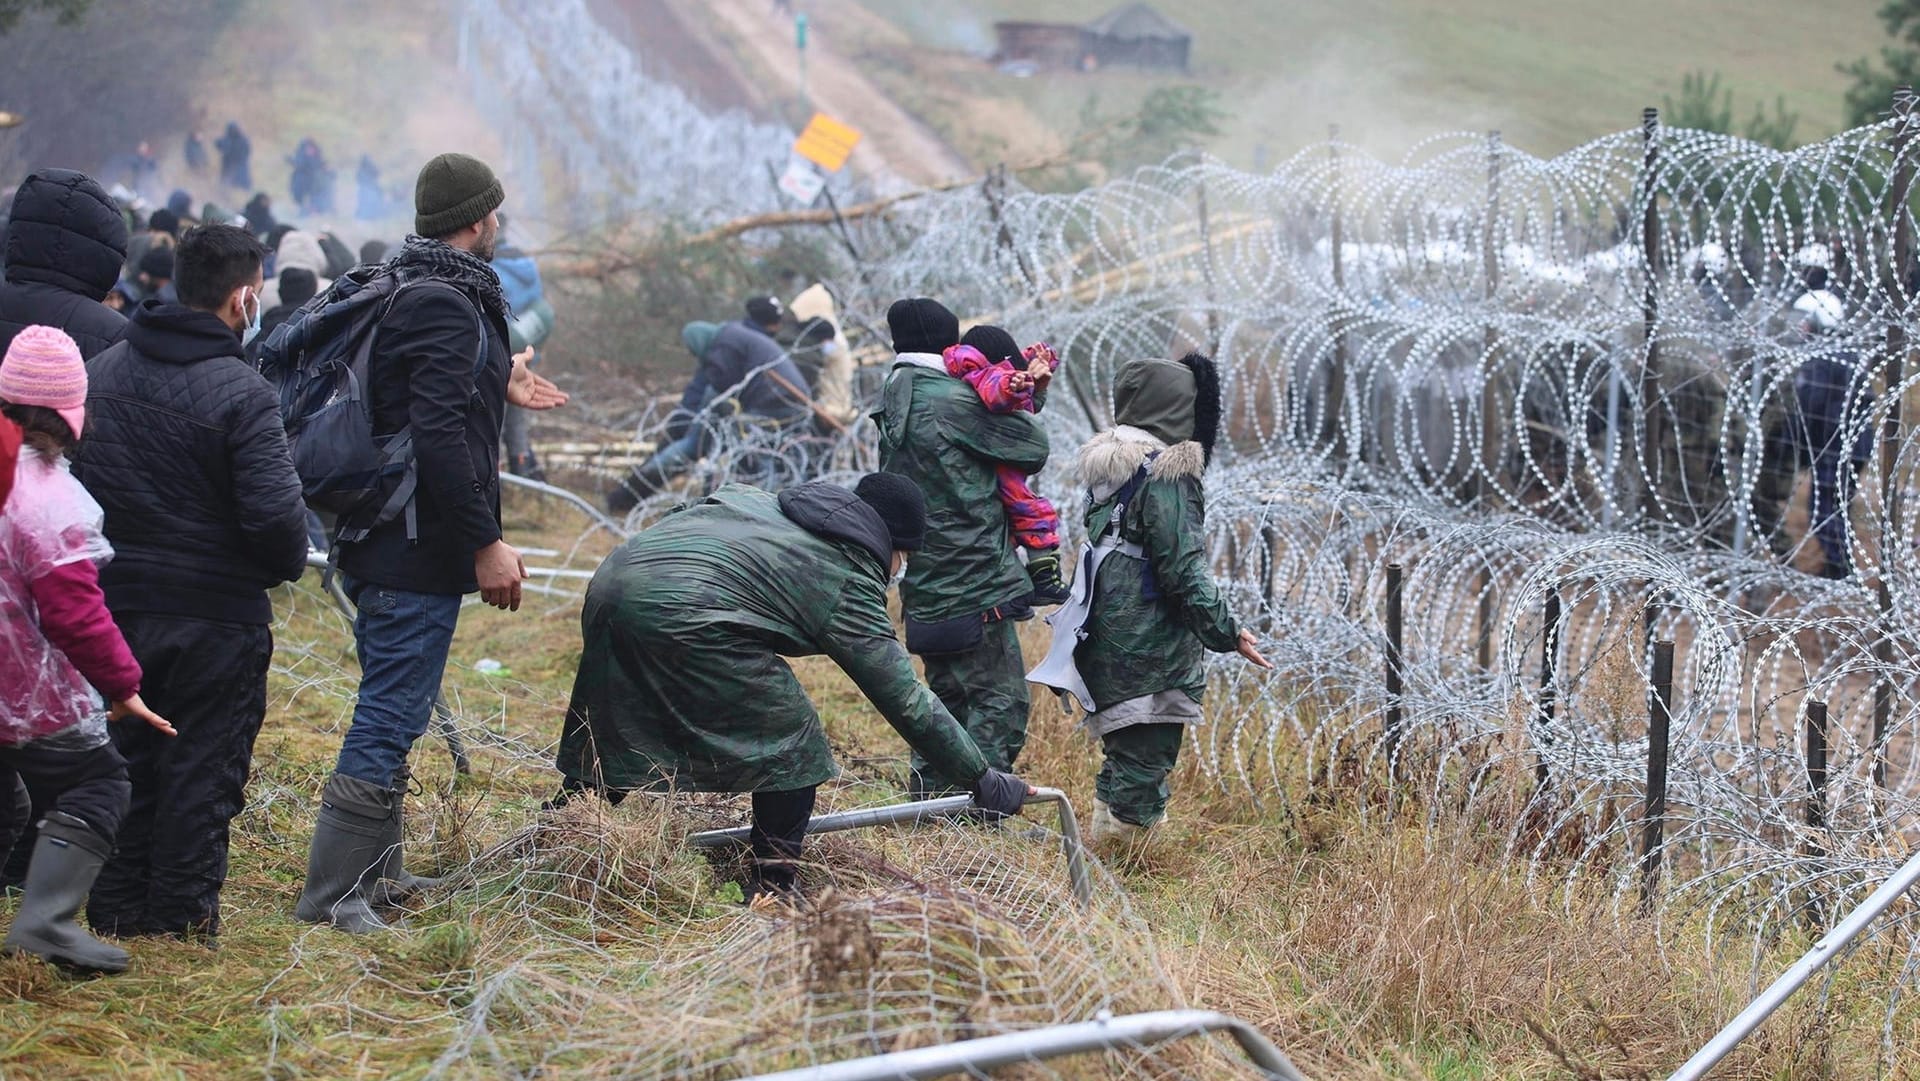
(65, 242)
(186, 453)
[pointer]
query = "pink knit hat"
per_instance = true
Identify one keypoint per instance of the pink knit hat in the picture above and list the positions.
(43, 367)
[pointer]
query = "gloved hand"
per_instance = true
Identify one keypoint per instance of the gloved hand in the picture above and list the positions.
(1000, 795)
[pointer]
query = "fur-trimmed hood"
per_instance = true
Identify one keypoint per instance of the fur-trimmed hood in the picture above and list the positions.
(1110, 459)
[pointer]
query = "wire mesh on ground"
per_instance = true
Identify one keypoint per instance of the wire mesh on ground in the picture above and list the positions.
(568, 936)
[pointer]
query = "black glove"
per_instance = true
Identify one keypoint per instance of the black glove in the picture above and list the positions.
(1000, 795)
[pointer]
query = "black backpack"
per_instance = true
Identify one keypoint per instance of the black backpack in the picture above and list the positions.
(318, 360)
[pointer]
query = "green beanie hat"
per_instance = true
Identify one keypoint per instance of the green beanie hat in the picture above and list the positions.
(697, 336)
(454, 191)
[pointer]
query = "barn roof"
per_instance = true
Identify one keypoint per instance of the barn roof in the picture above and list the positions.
(1135, 22)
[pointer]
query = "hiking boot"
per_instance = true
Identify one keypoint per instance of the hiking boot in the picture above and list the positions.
(67, 857)
(350, 843)
(1043, 570)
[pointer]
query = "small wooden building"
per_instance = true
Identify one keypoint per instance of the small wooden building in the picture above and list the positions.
(1134, 35)
(1138, 36)
(1054, 46)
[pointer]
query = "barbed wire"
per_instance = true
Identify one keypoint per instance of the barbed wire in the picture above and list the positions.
(1511, 378)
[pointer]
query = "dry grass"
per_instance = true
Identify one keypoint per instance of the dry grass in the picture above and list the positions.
(591, 943)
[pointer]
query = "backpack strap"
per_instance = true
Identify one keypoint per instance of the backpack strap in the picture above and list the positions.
(1125, 496)
(1111, 536)
(479, 322)
(400, 445)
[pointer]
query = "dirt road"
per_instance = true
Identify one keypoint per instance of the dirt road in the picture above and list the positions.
(893, 143)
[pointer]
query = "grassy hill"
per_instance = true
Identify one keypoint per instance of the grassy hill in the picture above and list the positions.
(1393, 72)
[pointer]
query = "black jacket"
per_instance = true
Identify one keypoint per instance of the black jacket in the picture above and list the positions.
(440, 365)
(742, 348)
(65, 244)
(186, 454)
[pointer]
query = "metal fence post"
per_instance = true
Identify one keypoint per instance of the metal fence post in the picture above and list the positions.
(1207, 271)
(1816, 776)
(1337, 379)
(1816, 809)
(1549, 692)
(1395, 668)
(1898, 197)
(1654, 817)
(1650, 415)
(1490, 430)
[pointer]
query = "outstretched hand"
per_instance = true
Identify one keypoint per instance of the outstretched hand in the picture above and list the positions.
(1250, 649)
(530, 390)
(135, 707)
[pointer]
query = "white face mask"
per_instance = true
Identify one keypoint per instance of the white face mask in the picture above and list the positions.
(898, 576)
(253, 322)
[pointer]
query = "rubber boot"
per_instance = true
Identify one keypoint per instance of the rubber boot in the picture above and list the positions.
(396, 885)
(1109, 831)
(350, 842)
(67, 857)
(644, 482)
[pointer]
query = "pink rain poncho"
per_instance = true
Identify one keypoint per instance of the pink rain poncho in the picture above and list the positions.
(50, 522)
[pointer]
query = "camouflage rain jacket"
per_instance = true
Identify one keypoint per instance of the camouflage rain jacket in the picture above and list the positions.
(681, 682)
(1152, 619)
(934, 429)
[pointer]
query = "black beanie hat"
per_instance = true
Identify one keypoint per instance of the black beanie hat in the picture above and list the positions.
(297, 286)
(453, 192)
(158, 264)
(922, 325)
(994, 343)
(901, 506)
(765, 311)
(164, 221)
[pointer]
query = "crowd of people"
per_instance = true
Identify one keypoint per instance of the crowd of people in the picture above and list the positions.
(153, 489)
(311, 178)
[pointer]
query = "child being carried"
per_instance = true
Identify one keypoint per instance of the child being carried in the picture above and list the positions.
(1010, 380)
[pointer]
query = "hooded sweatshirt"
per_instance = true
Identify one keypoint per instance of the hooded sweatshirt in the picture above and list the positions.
(833, 390)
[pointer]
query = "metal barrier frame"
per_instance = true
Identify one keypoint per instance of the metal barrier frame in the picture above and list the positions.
(1103, 1033)
(921, 810)
(1777, 993)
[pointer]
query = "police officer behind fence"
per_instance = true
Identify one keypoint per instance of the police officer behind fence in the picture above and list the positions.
(681, 682)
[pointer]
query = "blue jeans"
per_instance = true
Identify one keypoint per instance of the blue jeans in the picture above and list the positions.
(674, 459)
(403, 640)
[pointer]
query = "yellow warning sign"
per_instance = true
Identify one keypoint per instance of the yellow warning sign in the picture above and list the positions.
(826, 142)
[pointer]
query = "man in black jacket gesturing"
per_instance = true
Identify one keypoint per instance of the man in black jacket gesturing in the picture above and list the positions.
(440, 368)
(187, 456)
